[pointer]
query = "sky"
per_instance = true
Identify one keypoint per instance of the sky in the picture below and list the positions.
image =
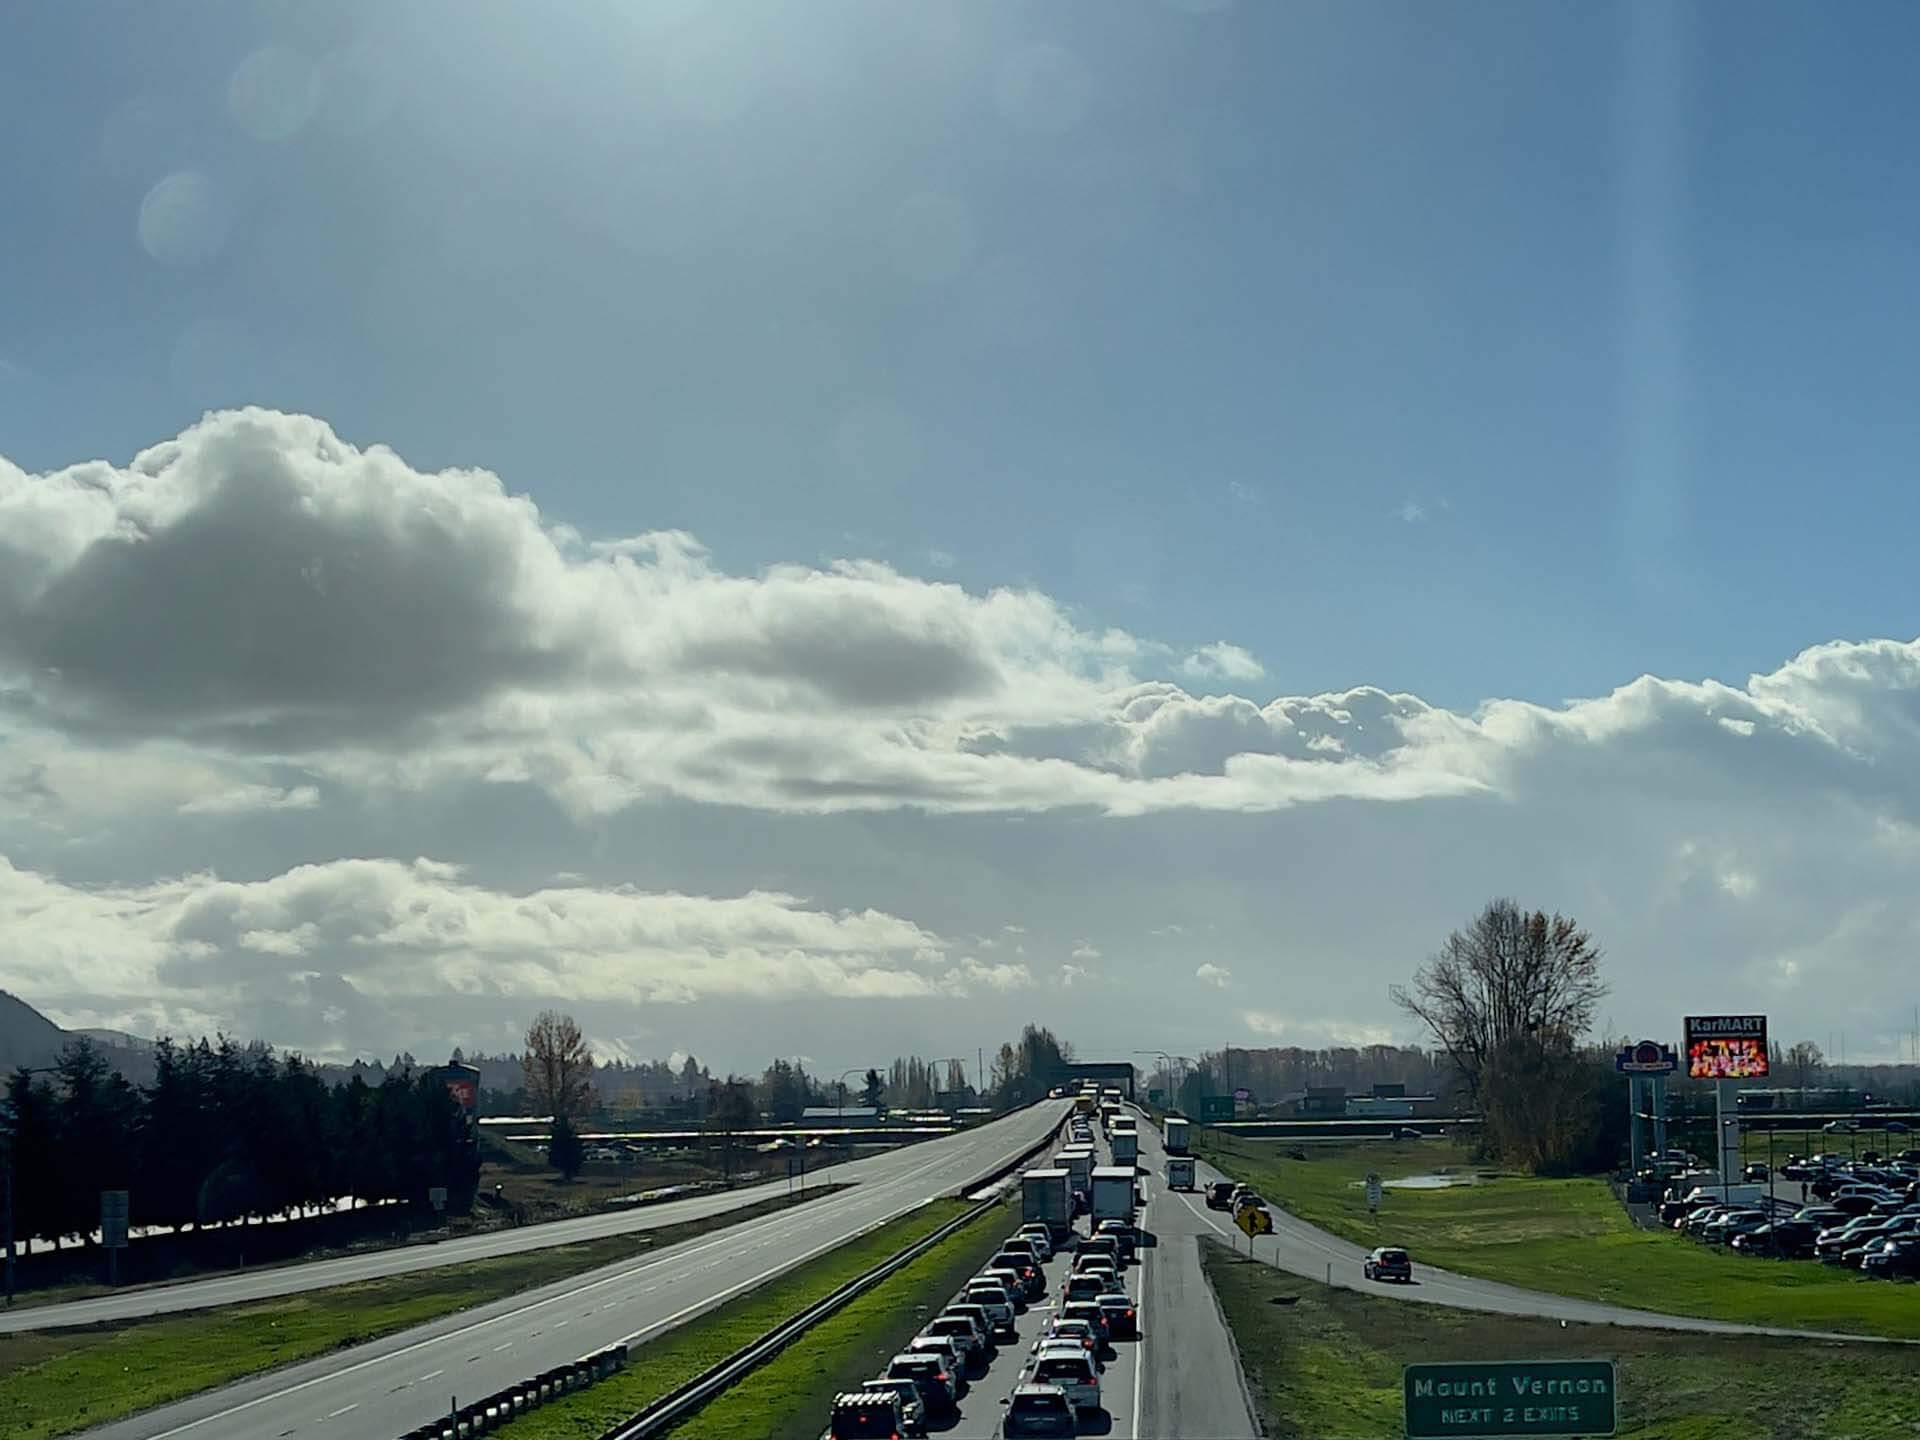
(838, 528)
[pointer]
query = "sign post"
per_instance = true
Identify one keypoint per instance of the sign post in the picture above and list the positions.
(113, 1230)
(1509, 1397)
(1373, 1193)
(1646, 1066)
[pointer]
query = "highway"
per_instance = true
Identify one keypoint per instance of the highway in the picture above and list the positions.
(1303, 1249)
(388, 1386)
(979, 1148)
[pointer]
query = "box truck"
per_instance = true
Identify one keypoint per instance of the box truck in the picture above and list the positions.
(1180, 1172)
(1077, 1160)
(1046, 1198)
(1176, 1128)
(1126, 1147)
(1112, 1194)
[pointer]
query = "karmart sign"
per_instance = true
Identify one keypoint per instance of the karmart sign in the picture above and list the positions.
(1510, 1397)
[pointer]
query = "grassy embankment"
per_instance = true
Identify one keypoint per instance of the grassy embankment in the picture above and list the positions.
(789, 1396)
(54, 1382)
(1570, 1237)
(1325, 1364)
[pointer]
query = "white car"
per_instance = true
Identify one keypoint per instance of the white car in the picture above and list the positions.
(1069, 1366)
(1041, 1237)
(992, 1297)
(965, 1331)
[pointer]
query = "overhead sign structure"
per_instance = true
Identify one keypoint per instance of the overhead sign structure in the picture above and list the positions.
(1649, 1057)
(1727, 1047)
(1254, 1220)
(1510, 1397)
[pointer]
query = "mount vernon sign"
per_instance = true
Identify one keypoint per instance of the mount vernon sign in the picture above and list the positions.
(1509, 1397)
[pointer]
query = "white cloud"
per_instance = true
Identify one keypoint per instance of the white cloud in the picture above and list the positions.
(1071, 974)
(1085, 950)
(1218, 976)
(1316, 1033)
(384, 932)
(1221, 661)
(253, 797)
(1411, 512)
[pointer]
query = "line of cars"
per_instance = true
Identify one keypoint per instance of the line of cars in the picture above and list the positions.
(1869, 1218)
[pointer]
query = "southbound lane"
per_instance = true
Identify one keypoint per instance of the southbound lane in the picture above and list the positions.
(389, 1386)
(405, 1259)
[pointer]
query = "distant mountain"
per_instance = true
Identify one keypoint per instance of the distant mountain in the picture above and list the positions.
(29, 1038)
(26, 1036)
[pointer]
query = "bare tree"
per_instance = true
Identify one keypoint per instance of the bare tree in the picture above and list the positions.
(1508, 998)
(1804, 1064)
(558, 1066)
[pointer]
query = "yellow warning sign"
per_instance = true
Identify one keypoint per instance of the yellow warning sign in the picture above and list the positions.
(1254, 1221)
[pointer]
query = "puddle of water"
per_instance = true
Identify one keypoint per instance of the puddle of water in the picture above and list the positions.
(1440, 1181)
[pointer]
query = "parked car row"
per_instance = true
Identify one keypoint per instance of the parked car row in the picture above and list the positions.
(1870, 1220)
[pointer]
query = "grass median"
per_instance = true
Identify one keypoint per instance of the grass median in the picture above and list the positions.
(1568, 1237)
(788, 1398)
(55, 1382)
(1325, 1364)
(665, 1363)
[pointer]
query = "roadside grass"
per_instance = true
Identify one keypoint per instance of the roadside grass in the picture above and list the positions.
(1568, 1237)
(1325, 1364)
(54, 1382)
(789, 1397)
(662, 1365)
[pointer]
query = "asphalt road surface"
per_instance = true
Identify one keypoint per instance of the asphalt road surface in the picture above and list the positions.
(978, 1148)
(1304, 1249)
(389, 1386)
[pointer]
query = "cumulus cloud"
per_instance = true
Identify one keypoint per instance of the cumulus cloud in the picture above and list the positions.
(385, 932)
(1221, 661)
(1316, 1032)
(1218, 976)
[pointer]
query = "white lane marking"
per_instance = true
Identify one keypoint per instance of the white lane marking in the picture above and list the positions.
(865, 1191)
(1140, 1343)
(498, 1348)
(428, 1376)
(561, 1324)
(336, 1414)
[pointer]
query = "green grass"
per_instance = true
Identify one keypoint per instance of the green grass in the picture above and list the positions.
(54, 1382)
(1325, 1364)
(788, 1398)
(1570, 1237)
(677, 1356)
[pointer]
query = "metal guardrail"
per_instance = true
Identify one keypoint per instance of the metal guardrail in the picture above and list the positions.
(675, 1406)
(485, 1416)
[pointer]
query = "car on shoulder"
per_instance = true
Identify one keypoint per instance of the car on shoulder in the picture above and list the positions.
(1072, 1369)
(939, 1386)
(865, 1415)
(1123, 1322)
(1388, 1262)
(1038, 1409)
(913, 1406)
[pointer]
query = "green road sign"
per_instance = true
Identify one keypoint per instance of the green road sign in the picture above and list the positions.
(1510, 1397)
(1216, 1107)
(1154, 1097)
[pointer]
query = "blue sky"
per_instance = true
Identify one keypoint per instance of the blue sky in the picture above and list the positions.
(1171, 310)
(1486, 353)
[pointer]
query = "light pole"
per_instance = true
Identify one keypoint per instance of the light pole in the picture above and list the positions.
(949, 1061)
(1171, 1088)
(11, 1138)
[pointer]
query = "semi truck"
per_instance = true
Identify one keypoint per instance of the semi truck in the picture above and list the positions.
(1180, 1172)
(1046, 1198)
(1176, 1128)
(1112, 1194)
(1126, 1147)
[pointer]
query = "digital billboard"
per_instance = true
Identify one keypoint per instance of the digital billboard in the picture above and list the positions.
(1726, 1047)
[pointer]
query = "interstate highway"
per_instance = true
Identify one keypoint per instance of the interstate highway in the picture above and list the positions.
(388, 1386)
(970, 1153)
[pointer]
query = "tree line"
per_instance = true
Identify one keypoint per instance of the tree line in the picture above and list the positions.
(222, 1132)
